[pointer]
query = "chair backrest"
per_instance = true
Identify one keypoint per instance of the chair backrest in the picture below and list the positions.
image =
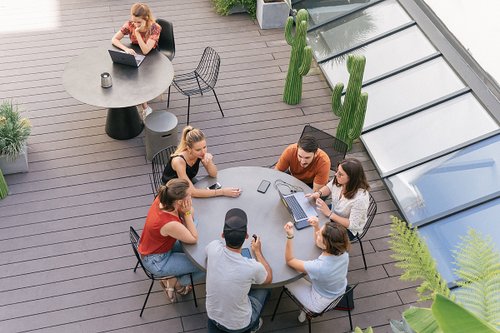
(208, 68)
(333, 147)
(134, 241)
(370, 214)
(348, 294)
(166, 42)
(158, 163)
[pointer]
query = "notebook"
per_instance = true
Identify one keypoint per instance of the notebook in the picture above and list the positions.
(299, 207)
(121, 57)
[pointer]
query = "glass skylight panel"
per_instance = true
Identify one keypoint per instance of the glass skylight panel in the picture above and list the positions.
(322, 11)
(443, 236)
(428, 133)
(392, 97)
(356, 28)
(382, 56)
(457, 180)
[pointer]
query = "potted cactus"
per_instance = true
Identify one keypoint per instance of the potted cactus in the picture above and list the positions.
(352, 111)
(14, 132)
(300, 57)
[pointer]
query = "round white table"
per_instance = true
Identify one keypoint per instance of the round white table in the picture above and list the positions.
(266, 217)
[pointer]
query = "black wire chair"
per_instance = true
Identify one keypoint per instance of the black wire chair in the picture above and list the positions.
(134, 241)
(310, 314)
(166, 42)
(158, 163)
(202, 79)
(372, 210)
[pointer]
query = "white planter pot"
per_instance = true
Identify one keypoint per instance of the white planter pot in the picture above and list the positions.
(20, 164)
(272, 15)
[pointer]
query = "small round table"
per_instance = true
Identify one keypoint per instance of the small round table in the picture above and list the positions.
(266, 217)
(131, 86)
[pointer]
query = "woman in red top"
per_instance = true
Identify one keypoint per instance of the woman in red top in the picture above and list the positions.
(143, 31)
(170, 220)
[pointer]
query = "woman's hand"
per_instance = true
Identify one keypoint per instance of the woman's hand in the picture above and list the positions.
(207, 158)
(322, 207)
(314, 195)
(186, 206)
(232, 192)
(314, 222)
(130, 51)
(289, 229)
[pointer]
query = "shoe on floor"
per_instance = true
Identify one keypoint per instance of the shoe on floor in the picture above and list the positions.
(258, 326)
(302, 317)
(146, 112)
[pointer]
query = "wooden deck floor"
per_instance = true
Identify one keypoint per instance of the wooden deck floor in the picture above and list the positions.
(66, 263)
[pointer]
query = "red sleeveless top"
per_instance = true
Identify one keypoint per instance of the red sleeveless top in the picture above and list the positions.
(152, 242)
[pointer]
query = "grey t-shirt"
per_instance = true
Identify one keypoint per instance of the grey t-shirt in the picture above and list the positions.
(328, 274)
(229, 278)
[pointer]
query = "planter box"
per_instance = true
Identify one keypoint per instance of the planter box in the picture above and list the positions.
(272, 15)
(20, 164)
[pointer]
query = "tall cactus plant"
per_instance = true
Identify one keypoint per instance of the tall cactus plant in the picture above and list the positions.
(300, 57)
(352, 111)
(4, 190)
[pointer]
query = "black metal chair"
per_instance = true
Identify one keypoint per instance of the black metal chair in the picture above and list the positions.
(202, 79)
(166, 43)
(134, 241)
(372, 210)
(158, 163)
(333, 147)
(310, 315)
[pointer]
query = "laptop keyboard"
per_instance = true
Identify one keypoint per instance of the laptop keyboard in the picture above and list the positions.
(297, 210)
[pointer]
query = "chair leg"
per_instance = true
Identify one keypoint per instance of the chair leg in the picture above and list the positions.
(189, 105)
(362, 252)
(309, 322)
(218, 102)
(136, 265)
(277, 304)
(168, 98)
(350, 319)
(194, 292)
(147, 296)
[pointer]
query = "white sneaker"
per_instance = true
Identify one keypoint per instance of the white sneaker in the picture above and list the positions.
(146, 112)
(258, 326)
(302, 317)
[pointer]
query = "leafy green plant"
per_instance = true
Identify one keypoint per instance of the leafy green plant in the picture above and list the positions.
(359, 330)
(475, 307)
(4, 189)
(223, 7)
(14, 130)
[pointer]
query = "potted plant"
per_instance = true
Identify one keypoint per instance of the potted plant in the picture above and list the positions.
(227, 7)
(272, 14)
(4, 189)
(14, 132)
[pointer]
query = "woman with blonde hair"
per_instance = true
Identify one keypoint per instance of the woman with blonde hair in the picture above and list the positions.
(169, 222)
(185, 163)
(143, 31)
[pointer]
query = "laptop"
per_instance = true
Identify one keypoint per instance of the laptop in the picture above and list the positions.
(121, 57)
(299, 207)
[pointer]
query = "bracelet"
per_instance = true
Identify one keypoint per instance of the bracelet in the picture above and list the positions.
(329, 215)
(320, 194)
(290, 237)
(187, 213)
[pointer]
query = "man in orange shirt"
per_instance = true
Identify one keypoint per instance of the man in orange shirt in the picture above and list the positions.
(305, 161)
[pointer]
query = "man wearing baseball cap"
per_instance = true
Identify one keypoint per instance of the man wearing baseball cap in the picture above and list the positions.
(232, 306)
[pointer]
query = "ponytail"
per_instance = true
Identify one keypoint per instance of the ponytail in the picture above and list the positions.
(190, 136)
(175, 189)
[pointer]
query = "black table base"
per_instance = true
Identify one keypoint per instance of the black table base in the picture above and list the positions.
(124, 123)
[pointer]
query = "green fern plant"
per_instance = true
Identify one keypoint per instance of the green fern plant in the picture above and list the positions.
(14, 130)
(477, 303)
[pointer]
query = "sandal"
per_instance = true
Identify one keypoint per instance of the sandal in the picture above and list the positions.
(169, 291)
(184, 290)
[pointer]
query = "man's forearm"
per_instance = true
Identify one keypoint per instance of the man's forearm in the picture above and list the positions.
(260, 258)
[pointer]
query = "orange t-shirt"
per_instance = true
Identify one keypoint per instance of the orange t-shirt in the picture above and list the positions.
(316, 172)
(152, 240)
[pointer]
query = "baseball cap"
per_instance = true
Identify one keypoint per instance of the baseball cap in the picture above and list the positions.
(235, 227)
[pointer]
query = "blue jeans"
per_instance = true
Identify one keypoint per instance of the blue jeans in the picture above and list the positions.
(174, 262)
(257, 298)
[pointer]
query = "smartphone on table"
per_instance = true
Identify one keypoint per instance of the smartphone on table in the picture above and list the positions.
(215, 186)
(263, 186)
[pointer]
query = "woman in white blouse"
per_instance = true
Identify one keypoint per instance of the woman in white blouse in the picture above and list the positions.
(350, 197)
